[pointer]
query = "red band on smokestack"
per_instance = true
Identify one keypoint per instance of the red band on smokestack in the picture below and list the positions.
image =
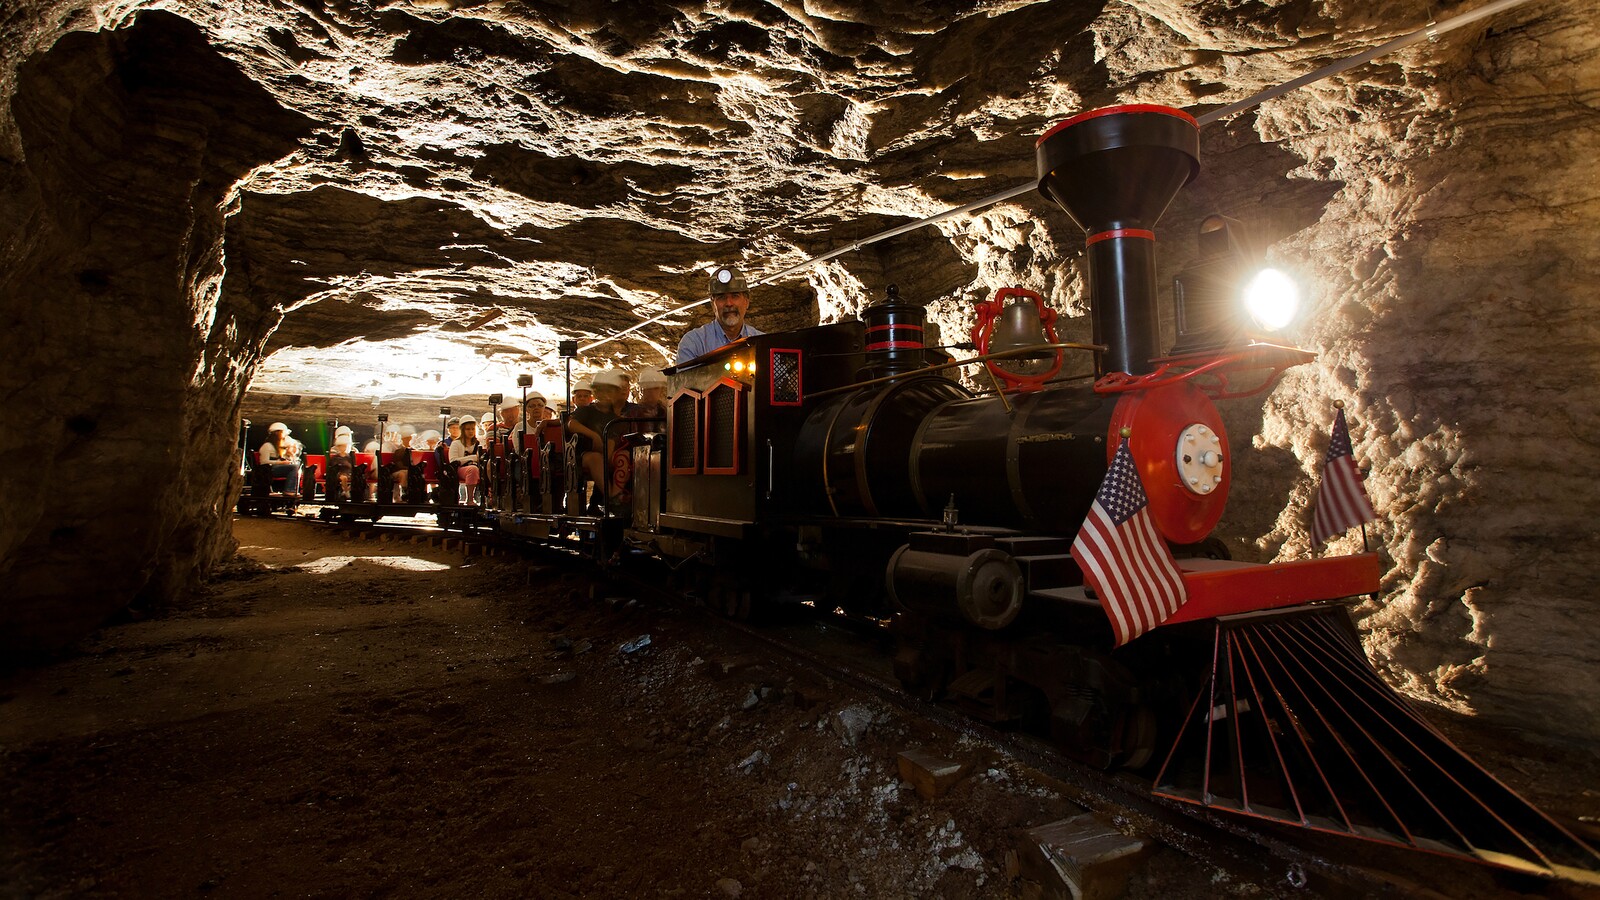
(895, 345)
(1114, 110)
(892, 327)
(1119, 233)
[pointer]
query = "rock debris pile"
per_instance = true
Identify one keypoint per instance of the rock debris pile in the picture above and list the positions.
(333, 203)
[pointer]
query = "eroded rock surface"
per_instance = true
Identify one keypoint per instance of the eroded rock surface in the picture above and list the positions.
(458, 185)
(124, 363)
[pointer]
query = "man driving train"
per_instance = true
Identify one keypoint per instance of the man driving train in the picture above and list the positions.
(730, 299)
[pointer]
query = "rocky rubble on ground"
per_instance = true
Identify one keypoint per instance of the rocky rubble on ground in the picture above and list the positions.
(377, 715)
(388, 200)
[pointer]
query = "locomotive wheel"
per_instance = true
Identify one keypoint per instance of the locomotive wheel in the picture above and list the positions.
(737, 603)
(729, 600)
(1138, 737)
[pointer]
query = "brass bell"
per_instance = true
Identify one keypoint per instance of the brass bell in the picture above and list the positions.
(1019, 327)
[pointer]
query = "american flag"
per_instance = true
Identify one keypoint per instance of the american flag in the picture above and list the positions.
(1341, 500)
(1123, 556)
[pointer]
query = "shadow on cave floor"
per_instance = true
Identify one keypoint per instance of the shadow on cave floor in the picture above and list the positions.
(356, 716)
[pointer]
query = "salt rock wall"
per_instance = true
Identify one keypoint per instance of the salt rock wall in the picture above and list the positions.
(1441, 209)
(123, 363)
(1457, 317)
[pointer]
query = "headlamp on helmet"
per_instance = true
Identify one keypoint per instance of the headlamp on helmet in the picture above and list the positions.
(728, 280)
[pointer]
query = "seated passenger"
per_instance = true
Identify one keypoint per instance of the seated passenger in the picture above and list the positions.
(652, 396)
(341, 465)
(589, 424)
(442, 452)
(535, 411)
(583, 392)
(399, 468)
(466, 455)
(281, 455)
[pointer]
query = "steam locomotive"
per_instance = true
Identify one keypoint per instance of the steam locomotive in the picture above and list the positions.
(839, 463)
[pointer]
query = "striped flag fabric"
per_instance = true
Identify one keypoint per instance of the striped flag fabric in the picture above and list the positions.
(1341, 501)
(1124, 558)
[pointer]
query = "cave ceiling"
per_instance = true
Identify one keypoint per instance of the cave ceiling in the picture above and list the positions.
(487, 178)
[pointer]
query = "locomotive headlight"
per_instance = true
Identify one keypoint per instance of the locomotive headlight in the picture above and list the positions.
(1272, 299)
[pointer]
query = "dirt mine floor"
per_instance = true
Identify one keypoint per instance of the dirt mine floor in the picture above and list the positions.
(340, 717)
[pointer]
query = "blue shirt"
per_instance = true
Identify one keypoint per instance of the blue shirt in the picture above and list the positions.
(706, 338)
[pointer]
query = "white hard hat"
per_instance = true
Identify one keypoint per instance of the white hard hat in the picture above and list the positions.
(652, 378)
(342, 430)
(609, 377)
(584, 384)
(407, 429)
(535, 395)
(432, 434)
(279, 426)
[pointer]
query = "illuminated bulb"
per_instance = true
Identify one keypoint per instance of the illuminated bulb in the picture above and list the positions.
(751, 368)
(738, 365)
(1272, 299)
(727, 367)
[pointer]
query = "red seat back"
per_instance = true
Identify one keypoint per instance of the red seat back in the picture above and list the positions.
(430, 468)
(318, 461)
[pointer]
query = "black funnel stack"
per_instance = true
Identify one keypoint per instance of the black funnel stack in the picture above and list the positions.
(894, 336)
(1115, 171)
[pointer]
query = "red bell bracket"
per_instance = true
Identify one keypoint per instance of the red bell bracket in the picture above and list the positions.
(1212, 373)
(1019, 327)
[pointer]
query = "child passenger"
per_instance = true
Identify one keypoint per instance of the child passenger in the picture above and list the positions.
(467, 454)
(282, 453)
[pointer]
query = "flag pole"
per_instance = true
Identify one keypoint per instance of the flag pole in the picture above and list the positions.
(1366, 547)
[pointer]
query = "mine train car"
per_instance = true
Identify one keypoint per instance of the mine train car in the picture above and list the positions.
(842, 465)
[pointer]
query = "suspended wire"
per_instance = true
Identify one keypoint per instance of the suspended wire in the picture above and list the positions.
(1431, 31)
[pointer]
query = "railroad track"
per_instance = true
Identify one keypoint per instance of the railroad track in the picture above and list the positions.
(1280, 862)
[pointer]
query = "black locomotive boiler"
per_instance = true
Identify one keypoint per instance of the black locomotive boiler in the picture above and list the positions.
(840, 463)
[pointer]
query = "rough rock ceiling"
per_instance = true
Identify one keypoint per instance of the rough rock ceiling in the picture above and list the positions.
(577, 168)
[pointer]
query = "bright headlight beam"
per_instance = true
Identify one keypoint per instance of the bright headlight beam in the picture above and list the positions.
(1272, 299)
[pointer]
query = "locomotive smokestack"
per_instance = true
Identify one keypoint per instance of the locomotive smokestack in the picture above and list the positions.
(1115, 171)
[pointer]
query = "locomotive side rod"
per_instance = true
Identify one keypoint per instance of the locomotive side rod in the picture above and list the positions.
(1432, 31)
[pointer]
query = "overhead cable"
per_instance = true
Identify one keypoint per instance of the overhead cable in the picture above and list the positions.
(1431, 31)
